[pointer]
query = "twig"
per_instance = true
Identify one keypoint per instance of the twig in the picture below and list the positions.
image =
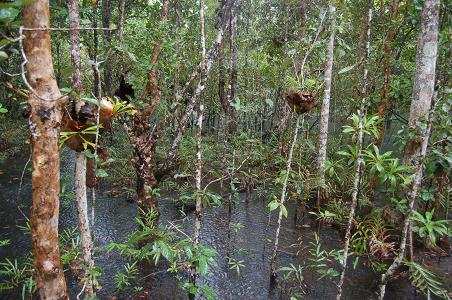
(22, 67)
(177, 228)
(227, 175)
(20, 188)
(81, 292)
(67, 29)
(9, 74)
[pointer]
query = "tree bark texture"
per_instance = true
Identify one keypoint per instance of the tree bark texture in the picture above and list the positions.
(86, 240)
(140, 135)
(325, 111)
(80, 158)
(421, 104)
(44, 122)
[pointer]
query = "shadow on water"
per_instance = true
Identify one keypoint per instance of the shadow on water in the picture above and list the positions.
(114, 221)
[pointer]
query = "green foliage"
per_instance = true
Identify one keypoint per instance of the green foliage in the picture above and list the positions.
(427, 227)
(426, 281)
(152, 243)
(235, 264)
(91, 130)
(275, 203)
(125, 278)
(17, 276)
(319, 260)
(70, 246)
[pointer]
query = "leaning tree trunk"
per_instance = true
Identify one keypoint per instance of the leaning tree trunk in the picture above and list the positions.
(283, 199)
(359, 162)
(45, 121)
(325, 112)
(80, 158)
(423, 90)
(210, 59)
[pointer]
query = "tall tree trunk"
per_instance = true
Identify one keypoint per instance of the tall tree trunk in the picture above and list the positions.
(198, 175)
(45, 120)
(199, 129)
(387, 67)
(423, 91)
(232, 87)
(325, 112)
(359, 162)
(108, 69)
(80, 158)
(122, 12)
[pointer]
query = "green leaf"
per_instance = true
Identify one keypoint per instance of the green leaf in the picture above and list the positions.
(273, 205)
(346, 69)
(202, 265)
(284, 211)
(3, 55)
(101, 173)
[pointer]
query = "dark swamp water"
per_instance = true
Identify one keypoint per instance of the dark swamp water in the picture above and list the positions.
(114, 221)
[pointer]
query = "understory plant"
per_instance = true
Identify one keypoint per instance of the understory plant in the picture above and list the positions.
(152, 243)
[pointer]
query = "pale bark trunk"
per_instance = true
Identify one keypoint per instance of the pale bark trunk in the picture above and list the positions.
(359, 163)
(423, 91)
(325, 111)
(83, 221)
(45, 120)
(81, 161)
(199, 131)
(283, 198)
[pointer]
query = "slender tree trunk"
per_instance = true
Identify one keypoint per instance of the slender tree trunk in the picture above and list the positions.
(387, 67)
(93, 51)
(423, 91)
(45, 120)
(359, 163)
(81, 160)
(108, 68)
(286, 112)
(283, 198)
(122, 12)
(198, 176)
(325, 112)
(86, 240)
(232, 87)
(210, 58)
(199, 130)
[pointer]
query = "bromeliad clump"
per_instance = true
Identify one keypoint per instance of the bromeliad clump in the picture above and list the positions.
(300, 102)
